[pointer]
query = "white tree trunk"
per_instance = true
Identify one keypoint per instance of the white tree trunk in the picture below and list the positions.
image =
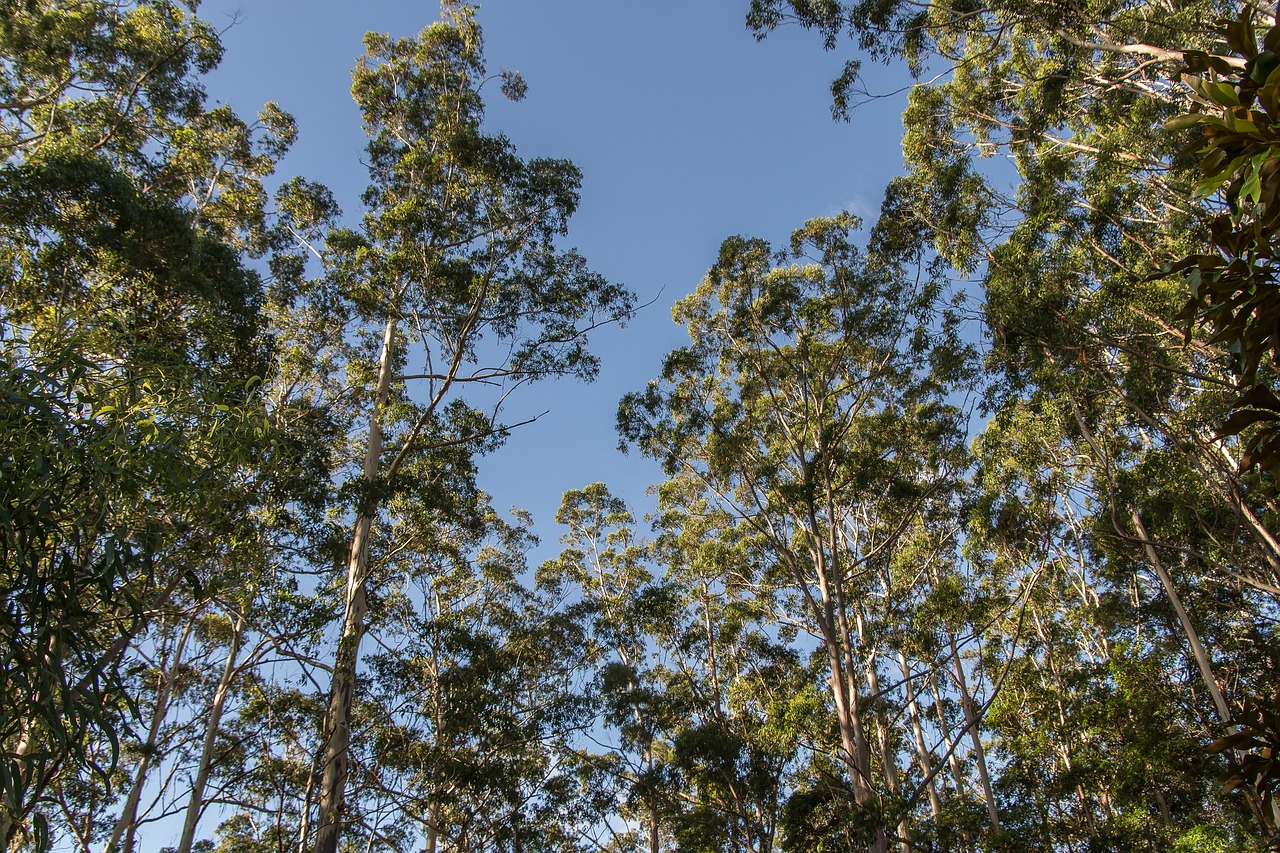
(922, 749)
(126, 825)
(337, 727)
(195, 805)
(1193, 638)
(971, 722)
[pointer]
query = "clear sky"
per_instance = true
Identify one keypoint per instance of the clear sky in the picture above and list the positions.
(687, 131)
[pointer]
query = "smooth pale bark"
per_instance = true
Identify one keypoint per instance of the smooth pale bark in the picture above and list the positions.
(304, 823)
(888, 758)
(122, 835)
(971, 723)
(837, 633)
(1193, 638)
(337, 730)
(853, 744)
(849, 719)
(944, 725)
(917, 731)
(833, 624)
(195, 804)
(433, 828)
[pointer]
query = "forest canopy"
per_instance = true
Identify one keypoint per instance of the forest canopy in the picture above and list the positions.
(964, 529)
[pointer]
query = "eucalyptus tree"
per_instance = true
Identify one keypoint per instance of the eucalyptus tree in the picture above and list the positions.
(130, 345)
(458, 287)
(606, 566)
(1074, 97)
(812, 408)
(709, 712)
(1143, 501)
(463, 729)
(745, 711)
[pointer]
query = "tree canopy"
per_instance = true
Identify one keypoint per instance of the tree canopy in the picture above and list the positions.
(964, 535)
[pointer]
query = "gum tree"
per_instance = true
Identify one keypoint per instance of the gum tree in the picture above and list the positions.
(130, 345)
(462, 293)
(811, 408)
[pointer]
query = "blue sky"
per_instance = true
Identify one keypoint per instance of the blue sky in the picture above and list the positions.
(687, 130)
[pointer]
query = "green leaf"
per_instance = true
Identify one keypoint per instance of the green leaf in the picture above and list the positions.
(1183, 122)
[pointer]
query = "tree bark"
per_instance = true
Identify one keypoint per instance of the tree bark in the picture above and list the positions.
(944, 725)
(971, 722)
(888, 759)
(337, 728)
(922, 749)
(195, 805)
(433, 828)
(1193, 638)
(127, 824)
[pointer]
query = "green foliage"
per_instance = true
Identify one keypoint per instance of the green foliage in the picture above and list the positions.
(453, 286)
(133, 354)
(807, 436)
(835, 624)
(1236, 103)
(1103, 412)
(1251, 746)
(461, 232)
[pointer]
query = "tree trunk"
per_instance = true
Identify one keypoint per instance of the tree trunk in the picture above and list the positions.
(922, 749)
(888, 758)
(126, 825)
(195, 805)
(337, 727)
(971, 722)
(1193, 638)
(433, 828)
(834, 598)
(948, 742)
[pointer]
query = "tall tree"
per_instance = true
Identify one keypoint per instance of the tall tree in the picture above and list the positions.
(457, 276)
(130, 345)
(745, 714)
(606, 565)
(471, 699)
(811, 407)
(1104, 437)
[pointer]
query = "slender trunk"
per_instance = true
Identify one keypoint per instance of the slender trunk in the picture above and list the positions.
(126, 825)
(195, 805)
(1197, 649)
(1162, 805)
(852, 742)
(840, 654)
(971, 722)
(433, 827)
(304, 822)
(880, 844)
(713, 666)
(953, 760)
(922, 749)
(653, 828)
(337, 728)
(10, 817)
(888, 758)
(1270, 547)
